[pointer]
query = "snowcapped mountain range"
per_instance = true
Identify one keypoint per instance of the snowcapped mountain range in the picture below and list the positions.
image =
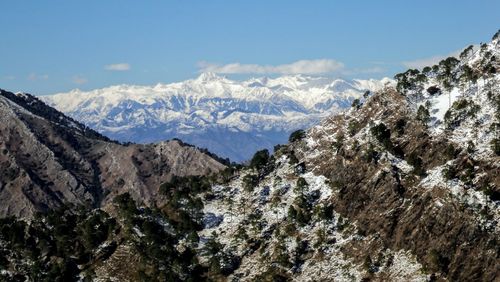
(230, 118)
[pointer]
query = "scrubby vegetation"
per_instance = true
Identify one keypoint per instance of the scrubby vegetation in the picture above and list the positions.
(339, 142)
(53, 245)
(423, 115)
(416, 161)
(297, 135)
(155, 232)
(383, 134)
(260, 159)
(356, 103)
(250, 181)
(353, 128)
(495, 146)
(459, 111)
(70, 241)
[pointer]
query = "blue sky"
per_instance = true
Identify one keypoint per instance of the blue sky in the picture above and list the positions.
(55, 46)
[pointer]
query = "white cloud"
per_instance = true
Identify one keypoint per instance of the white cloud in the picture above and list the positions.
(34, 76)
(117, 67)
(79, 79)
(372, 70)
(319, 66)
(369, 70)
(420, 63)
(9, 77)
(430, 61)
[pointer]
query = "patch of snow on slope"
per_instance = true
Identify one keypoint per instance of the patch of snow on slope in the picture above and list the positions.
(440, 105)
(406, 268)
(472, 198)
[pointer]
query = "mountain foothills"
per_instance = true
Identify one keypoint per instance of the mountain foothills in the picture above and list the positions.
(48, 160)
(404, 186)
(230, 118)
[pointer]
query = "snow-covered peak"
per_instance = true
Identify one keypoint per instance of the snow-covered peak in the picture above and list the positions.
(268, 109)
(304, 90)
(208, 76)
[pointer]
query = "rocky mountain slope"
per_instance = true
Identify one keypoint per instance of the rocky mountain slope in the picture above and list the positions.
(405, 187)
(231, 118)
(48, 159)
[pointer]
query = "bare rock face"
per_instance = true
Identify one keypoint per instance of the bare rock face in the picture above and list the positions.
(48, 159)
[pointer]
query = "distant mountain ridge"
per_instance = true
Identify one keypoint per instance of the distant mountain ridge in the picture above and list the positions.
(231, 118)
